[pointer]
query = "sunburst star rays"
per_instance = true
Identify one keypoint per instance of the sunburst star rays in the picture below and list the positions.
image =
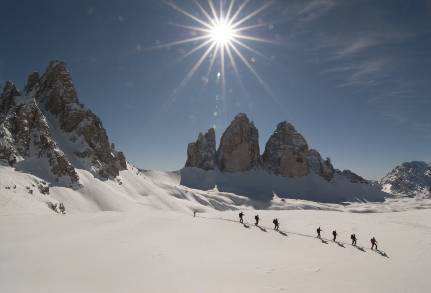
(220, 34)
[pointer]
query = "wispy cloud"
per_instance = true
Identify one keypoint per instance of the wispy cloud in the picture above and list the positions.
(316, 9)
(370, 58)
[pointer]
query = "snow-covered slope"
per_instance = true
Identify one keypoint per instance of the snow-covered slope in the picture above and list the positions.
(134, 233)
(261, 185)
(165, 251)
(411, 179)
(23, 193)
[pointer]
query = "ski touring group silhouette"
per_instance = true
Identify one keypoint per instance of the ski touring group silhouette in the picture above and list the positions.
(318, 230)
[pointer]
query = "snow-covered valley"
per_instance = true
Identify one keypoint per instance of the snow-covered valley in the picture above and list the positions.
(131, 230)
(138, 234)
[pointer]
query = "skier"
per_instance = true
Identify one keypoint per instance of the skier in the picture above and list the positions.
(373, 243)
(334, 233)
(256, 218)
(318, 233)
(276, 224)
(194, 214)
(353, 237)
(241, 214)
(62, 208)
(54, 207)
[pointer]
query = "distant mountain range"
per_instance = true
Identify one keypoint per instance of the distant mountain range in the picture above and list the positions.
(412, 179)
(287, 167)
(45, 131)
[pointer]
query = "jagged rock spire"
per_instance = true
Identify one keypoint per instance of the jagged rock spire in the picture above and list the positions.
(286, 152)
(32, 82)
(56, 95)
(202, 153)
(239, 146)
(7, 98)
(50, 123)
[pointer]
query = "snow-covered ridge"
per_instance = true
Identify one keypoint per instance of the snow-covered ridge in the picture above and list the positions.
(47, 132)
(287, 167)
(261, 185)
(133, 190)
(412, 179)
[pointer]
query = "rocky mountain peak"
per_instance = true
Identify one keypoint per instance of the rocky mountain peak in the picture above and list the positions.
(32, 82)
(287, 134)
(7, 98)
(48, 122)
(286, 152)
(58, 98)
(25, 136)
(239, 146)
(202, 153)
(56, 89)
(411, 179)
(321, 167)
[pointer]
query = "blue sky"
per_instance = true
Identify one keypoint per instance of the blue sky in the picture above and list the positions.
(354, 77)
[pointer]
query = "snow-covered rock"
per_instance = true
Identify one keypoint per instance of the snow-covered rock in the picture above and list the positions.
(75, 124)
(287, 167)
(239, 146)
(262, 185)
(411, 179)
(202, 153)
(25, 138)
(47, 132)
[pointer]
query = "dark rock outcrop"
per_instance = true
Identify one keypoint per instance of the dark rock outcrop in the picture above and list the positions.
(47, 120)
(239, 146)
(286, 152)
(32, 82)
(202, 153)
(321, 167)
(353, 177)
(57, 96)
(7, 98)
(24, 133)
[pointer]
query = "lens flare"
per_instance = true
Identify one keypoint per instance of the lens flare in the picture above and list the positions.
(220, 34)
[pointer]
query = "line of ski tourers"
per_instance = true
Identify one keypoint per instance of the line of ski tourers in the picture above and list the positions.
(318, 230)
(58, 208)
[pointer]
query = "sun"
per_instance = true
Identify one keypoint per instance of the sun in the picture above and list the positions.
(222, 33)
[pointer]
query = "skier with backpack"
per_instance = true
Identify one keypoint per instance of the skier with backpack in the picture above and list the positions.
(319, 230)
(334, 234)
(256, 218)
(62, 208)
(373, 243)
(353, 237)
(241, 215)
(276, 224)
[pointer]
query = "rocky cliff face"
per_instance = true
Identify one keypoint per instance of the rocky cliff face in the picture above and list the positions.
(239, 146)
(24, 134)
(321, 167)
(286, 153)
(56, 94)
(411, 179)
(202, 153)
(49, 121)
